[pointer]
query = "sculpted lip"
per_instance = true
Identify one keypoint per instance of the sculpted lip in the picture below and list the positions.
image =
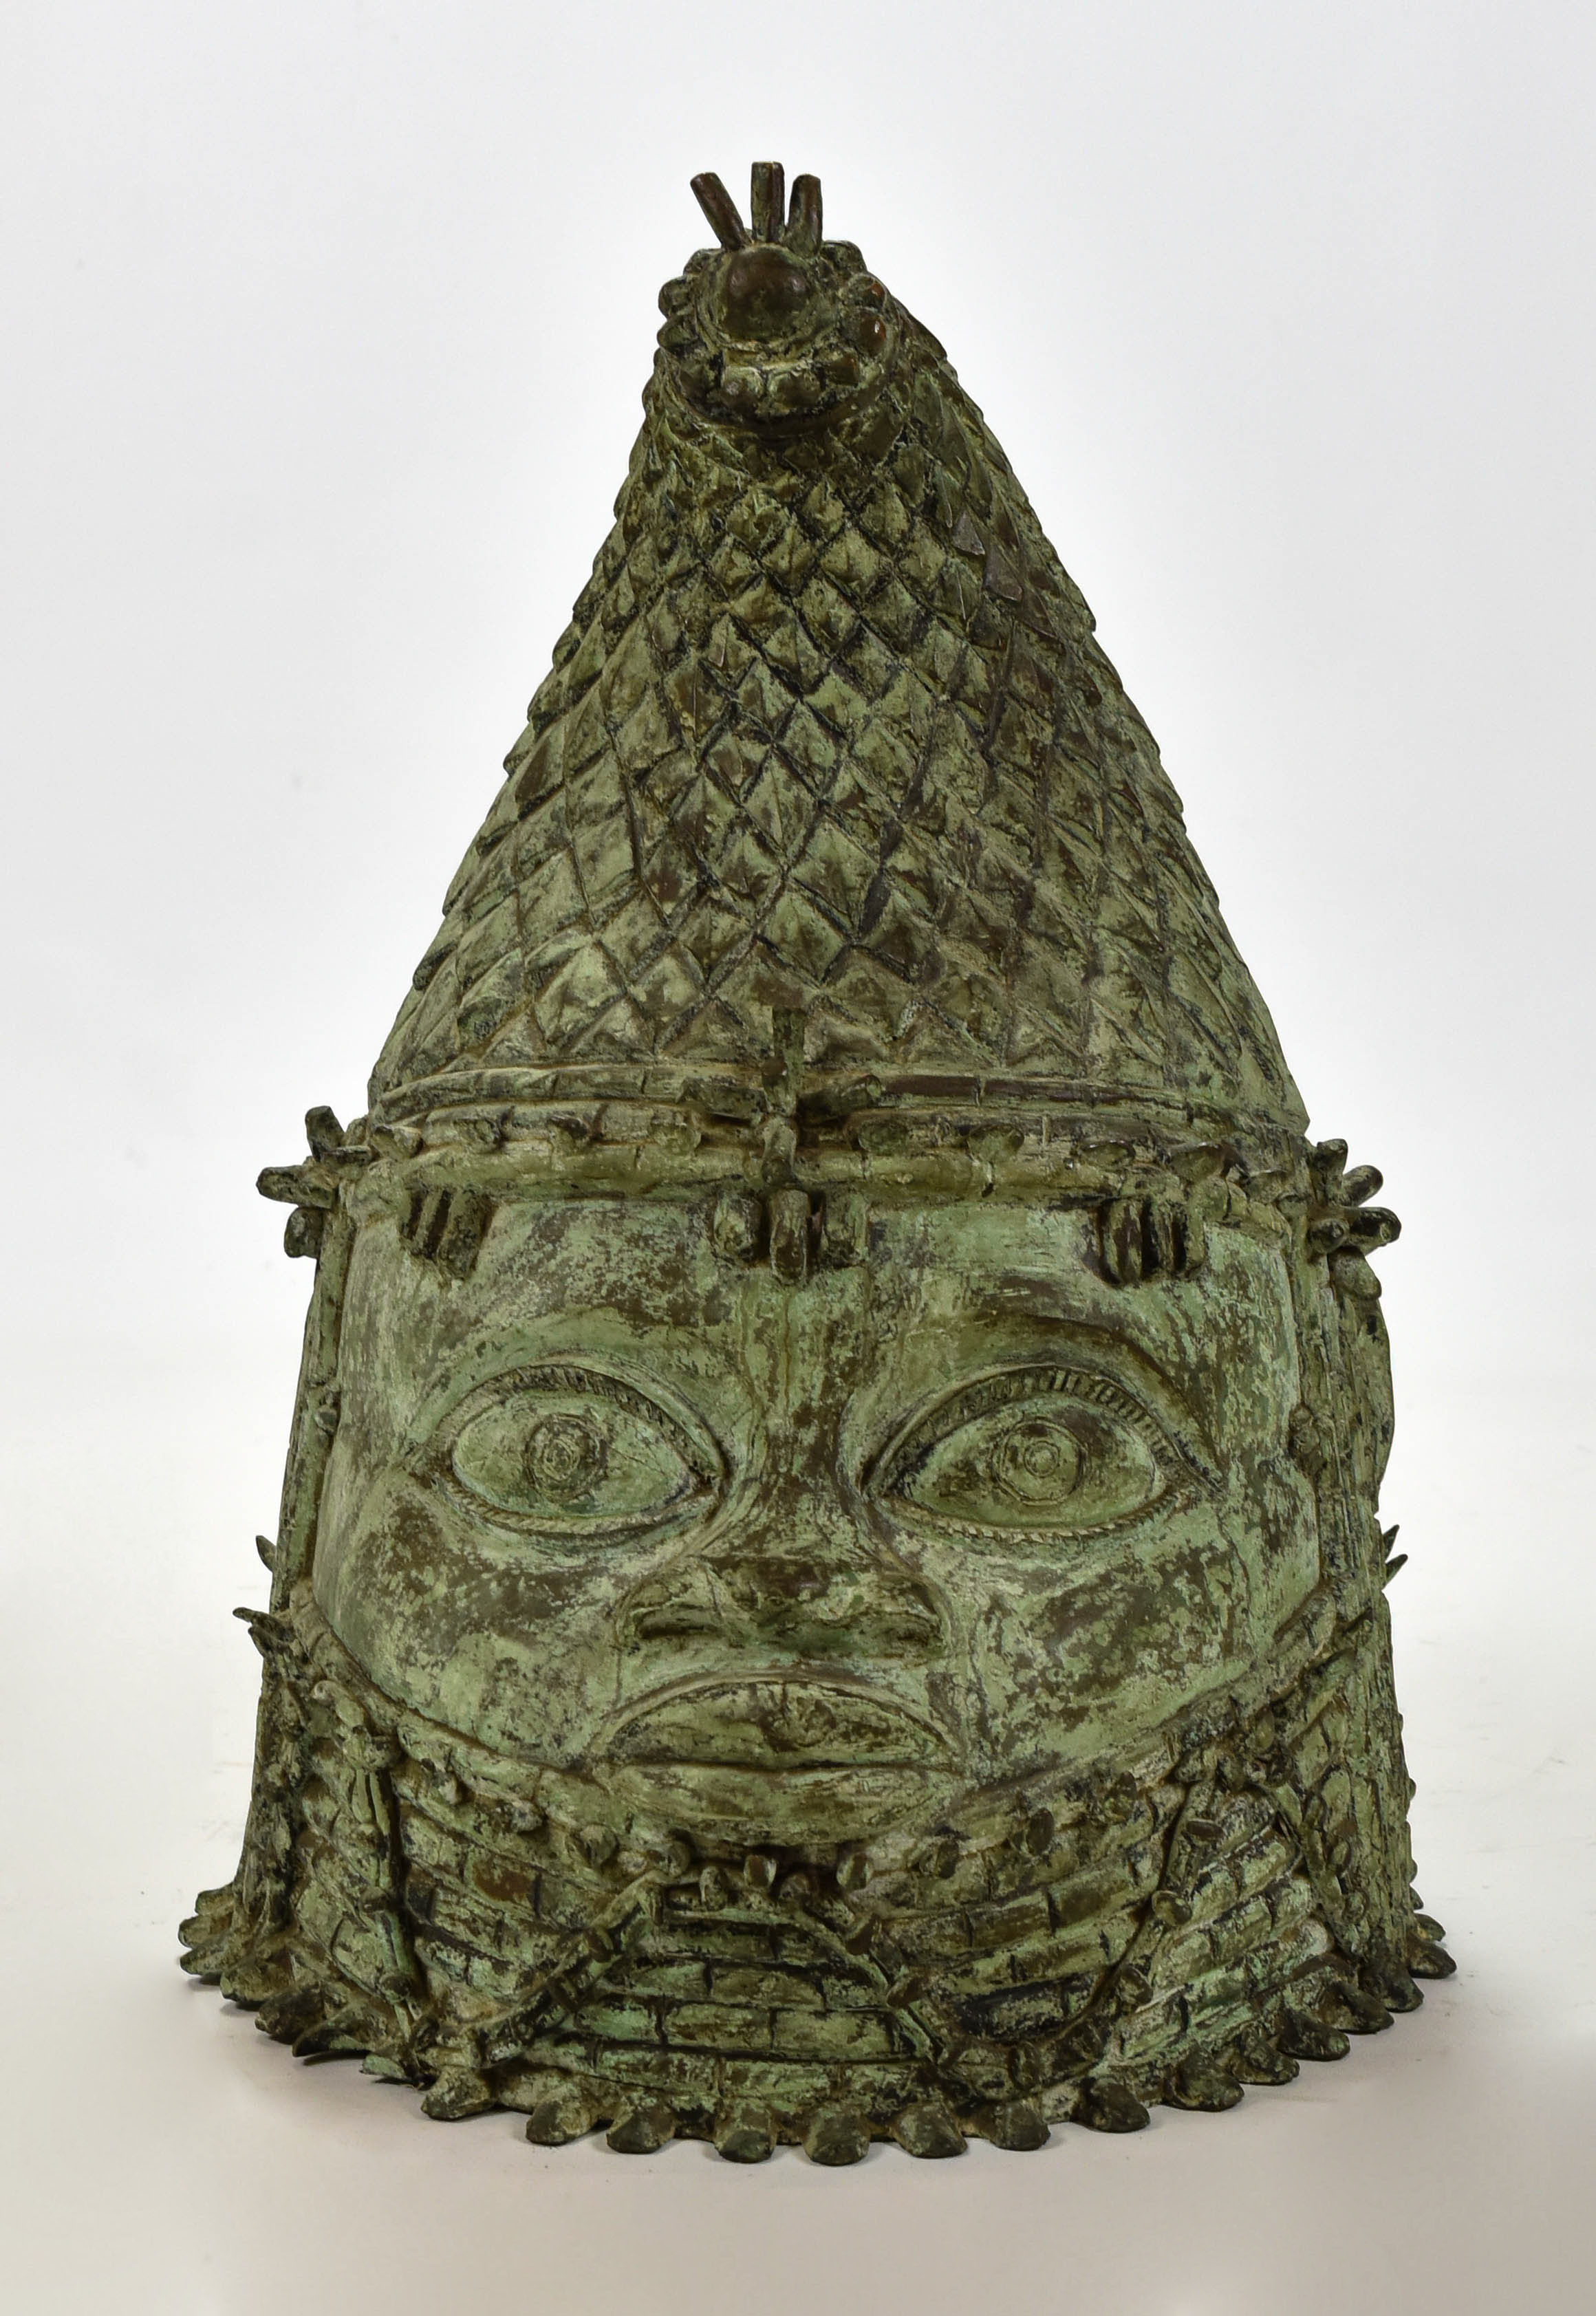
(779, 1722)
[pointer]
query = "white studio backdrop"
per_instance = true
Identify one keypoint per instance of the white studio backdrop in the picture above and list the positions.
(327, 328)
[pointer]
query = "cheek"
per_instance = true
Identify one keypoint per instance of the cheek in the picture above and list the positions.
(504, 1643)
(1144, 1627)
(1096, 1650)
(1272, 1514)
(1104, 1656)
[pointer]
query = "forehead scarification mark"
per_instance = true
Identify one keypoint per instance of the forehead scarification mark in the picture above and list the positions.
(796, 1232)
(447, 1227)
(1146, 1236)
(792, 1228)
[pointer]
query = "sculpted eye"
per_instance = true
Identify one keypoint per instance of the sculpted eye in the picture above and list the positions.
(1038, 1452)
(568, 1451)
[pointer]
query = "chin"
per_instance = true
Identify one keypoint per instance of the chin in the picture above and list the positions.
(810, 1808)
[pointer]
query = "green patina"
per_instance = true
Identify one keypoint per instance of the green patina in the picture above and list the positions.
(829, 1583)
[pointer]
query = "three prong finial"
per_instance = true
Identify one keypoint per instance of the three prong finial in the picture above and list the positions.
(802, 226)
(767, 193)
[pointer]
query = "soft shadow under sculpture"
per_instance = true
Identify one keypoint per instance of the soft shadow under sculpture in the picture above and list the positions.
(829, 1582)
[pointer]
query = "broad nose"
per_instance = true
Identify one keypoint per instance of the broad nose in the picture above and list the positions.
(796, 1577)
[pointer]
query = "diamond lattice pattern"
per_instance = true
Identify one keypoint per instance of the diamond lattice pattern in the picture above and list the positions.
(830, 730)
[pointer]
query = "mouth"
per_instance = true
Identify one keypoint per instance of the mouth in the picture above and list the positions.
(779, 1724)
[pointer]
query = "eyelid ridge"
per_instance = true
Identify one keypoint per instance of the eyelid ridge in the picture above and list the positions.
(881, 1469)
(571, 1375)
(1104, 1351)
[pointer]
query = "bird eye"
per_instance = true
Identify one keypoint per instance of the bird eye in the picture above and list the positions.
(568, 1451)
(1038, 1452)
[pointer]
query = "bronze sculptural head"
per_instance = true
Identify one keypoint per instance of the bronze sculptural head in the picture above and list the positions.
(829, 1583)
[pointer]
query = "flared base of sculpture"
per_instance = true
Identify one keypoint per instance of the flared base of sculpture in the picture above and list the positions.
(499, 1936)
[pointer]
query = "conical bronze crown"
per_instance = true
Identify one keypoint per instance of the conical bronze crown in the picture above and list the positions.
(830, 735)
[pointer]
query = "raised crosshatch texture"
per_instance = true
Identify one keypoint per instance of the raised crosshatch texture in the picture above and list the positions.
(830, 730)
(829, 1582)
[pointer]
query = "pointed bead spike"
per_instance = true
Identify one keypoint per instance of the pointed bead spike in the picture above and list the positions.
(747, 2134)
(322, 1129)
(767, 199)
(1103, 2105)
(642, 2130)
(927, 2129)
(1206, 2089)
(561, 2115)
(1301, 2035)
(1016, 2124)
(836, 2136)
(721, 210)
(804, 217)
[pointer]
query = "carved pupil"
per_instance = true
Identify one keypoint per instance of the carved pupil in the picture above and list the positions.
(1038, 1461)
(564, 1457)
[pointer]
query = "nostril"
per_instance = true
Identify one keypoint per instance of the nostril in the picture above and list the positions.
(797, 1584)
(847, 1609)
(907, 1620)
(674, 1610)
(912, 1609)
(674, 1620)
(811, 1604)
(762, 1585)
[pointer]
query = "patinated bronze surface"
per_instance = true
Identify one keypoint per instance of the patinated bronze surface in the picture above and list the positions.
(829, 1583)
